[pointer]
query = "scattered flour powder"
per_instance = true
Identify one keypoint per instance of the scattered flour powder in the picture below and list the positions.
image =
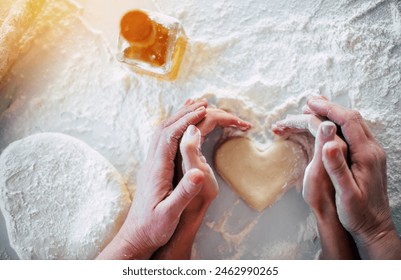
(259, 59)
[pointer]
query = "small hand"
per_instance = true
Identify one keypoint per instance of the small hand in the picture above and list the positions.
(303, 129)
(180, 245)
(217, 117)
(214, 117)
(318, 190)
(192, 157)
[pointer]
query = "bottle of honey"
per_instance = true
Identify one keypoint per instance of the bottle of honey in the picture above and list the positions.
(152, 43)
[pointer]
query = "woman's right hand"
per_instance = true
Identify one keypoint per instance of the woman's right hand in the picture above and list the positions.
(158, 203)
(360, 182)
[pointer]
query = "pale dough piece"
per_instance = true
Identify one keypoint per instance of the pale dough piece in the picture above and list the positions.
(22, 21)
(60, 198)
(259, 177)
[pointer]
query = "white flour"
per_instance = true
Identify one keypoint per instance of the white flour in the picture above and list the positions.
(256, 58)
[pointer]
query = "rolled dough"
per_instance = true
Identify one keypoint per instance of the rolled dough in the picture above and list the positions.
(22, 21)
(259, 177)
(60, 198)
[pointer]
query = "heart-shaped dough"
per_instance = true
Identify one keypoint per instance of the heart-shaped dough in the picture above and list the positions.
(259, 177)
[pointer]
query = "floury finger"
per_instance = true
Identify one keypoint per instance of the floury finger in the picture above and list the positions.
(217, 117)
(190, 149)
(189, 186)
(315, 171)
(297, 123)
(171, 135)
(189, 106)
(354, 128)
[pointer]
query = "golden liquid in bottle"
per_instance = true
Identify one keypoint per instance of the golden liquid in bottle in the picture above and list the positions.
(150, 41)
(178, 55)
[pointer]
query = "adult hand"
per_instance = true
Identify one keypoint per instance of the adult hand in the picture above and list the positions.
(318, 190)
(180, 245)
(360, 183)
(157, 205)
(309, 127)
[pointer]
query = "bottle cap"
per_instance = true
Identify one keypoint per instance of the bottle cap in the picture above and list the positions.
(137, 28)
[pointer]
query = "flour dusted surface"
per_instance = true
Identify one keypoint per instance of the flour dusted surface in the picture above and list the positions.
(263, 57)
(61, 199)
(259, 59)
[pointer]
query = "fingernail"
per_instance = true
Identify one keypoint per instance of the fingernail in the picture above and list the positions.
(305, 109)
(201, 108)
(328, 129)
(316, 102)
(191, 136)
(189, 101)
(277, 131)
(193, 130)
(244, 125)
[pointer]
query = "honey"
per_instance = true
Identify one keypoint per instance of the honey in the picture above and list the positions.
(152, 43)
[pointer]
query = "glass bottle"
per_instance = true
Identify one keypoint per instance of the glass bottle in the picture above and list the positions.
(151, 43)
